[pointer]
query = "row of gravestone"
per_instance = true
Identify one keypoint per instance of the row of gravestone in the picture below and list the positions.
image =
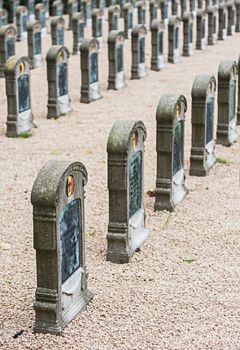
(58, 193)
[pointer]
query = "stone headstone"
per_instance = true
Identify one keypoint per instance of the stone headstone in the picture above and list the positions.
(116, 76)
(57, 8)
(126, 227)
(188, 21)
(90, 88)
(238, 103)
(97, 26)
(72, 10)
(201, 4)
(153, 11)
(192, 6)
(202, 151)
(31, 9)
(13, 4)
(100, 4)
(40, 16)
(142, 8)
(20, 117)
(59, 240)
(87, 11)
(237, 7)
(170, 182)
(227, 118)
(164, 10)
(35, 44)
(201, 30)
(222, 21)
(57, 76)
(175, 7)
(183, 7)
(22, 19)
(128, 20)
(57, 30)
(3, 17)
(174, 39)
(7, 45)
(113, 17)
(231, 17)
(46, 7)
(78, 31)
(138, 69)
(212, 24)
(121, 5)
(157, 34)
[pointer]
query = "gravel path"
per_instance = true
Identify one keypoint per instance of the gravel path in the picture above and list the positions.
(182, 291)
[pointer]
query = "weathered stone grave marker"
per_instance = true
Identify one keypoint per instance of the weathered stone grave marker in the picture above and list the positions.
(57, 76)
(173, 39)
(157, 58)
(188, 20)
(231, 17)
(238, 102)
(128, 20)
(72, 10)
(21, 18)
(121, 5)
(227, 119)
(175, 7)
(59, 240)
(237, 8)
(78, 31)
(153, 10)
(13, 4)
(138, 69)
(164, 10)
(116, 76)
(141, 6)
(31, 8)
(201, 30)
(170, 182)
(57, 30)
(3, 17)
(46, 7)
(40, 16)
(212, 25)
(90, 88)
(113, 17)
(57, 8)
(183, 4)
(126, 227)
(97, 26)
(87, 11)
(202, 152)
(222, 16)
(35, 44)
(19, 118)
(7, 45)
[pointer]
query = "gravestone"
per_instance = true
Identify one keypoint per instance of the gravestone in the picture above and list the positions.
(231, 17)
(173, 39)
(87, 11)
(46, 7)
(78, 31)
(237, 8)
(3, 17)
(59, 240)
(227, 119)
(34, 44)
(57, 8)
(188, 21)
(222, 26)
(202, 151)
(31, 8)
(201, 30)
(40, 16)
(113, 16)
(19, 118)
(128, 20)
(238, 103)
(183, 7)
(100, 4)
(126, 227)
(164, 10)
(212, 25)
(13, 4)
(72, 10)
(141, 6)
(157, 34)
(201, 4)
(121, 5)
(97, 26)
(170, 182)
(175, 7)
(192, 6)
(90, 88)
(153, 11)
(138, 69)
(22, 19)
(57, 76)
(116, 76)
(7, 45)
(57, 30)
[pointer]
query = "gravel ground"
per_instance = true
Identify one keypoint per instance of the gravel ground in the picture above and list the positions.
(182, 291)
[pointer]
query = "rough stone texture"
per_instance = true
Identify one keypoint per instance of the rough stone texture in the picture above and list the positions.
(199, 165)
(56, 24)
(226, 129)
(166, 115)
(32, 29)
(77, 19)
(49, 199)
(139, 31)
(121, 240)
(157, 57)
(173, 44)
(188, 23)
(5, 33)
(115, 38)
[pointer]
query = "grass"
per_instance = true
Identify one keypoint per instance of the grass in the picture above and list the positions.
(25, 135)
(188, 261)
(222, 161)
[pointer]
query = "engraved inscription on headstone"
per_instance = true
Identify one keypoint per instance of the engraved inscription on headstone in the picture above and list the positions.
(135, 182)
(177, 147)
(232, 99)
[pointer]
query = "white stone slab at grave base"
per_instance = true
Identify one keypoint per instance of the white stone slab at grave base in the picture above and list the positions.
(44, 31)
(166, 20)
(203, 43)
(233, 134)
(233, 29)
(89, 22)
(137, 232)
(129, 33)
(24, 35)
(24, 122)
(64, 104)
(176, 55)
(215, 38)
(178, 190)
(100, 42)
(71, 289)
(194, 14)
(210, 159)
(224, 33)
(31, 18)
(142, 70)
(94, 91)
(135, 11)
(161, 63)
(120, 82)
(190, 48)
(38, 60)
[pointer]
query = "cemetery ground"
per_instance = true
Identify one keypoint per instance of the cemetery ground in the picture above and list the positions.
(182, 290)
